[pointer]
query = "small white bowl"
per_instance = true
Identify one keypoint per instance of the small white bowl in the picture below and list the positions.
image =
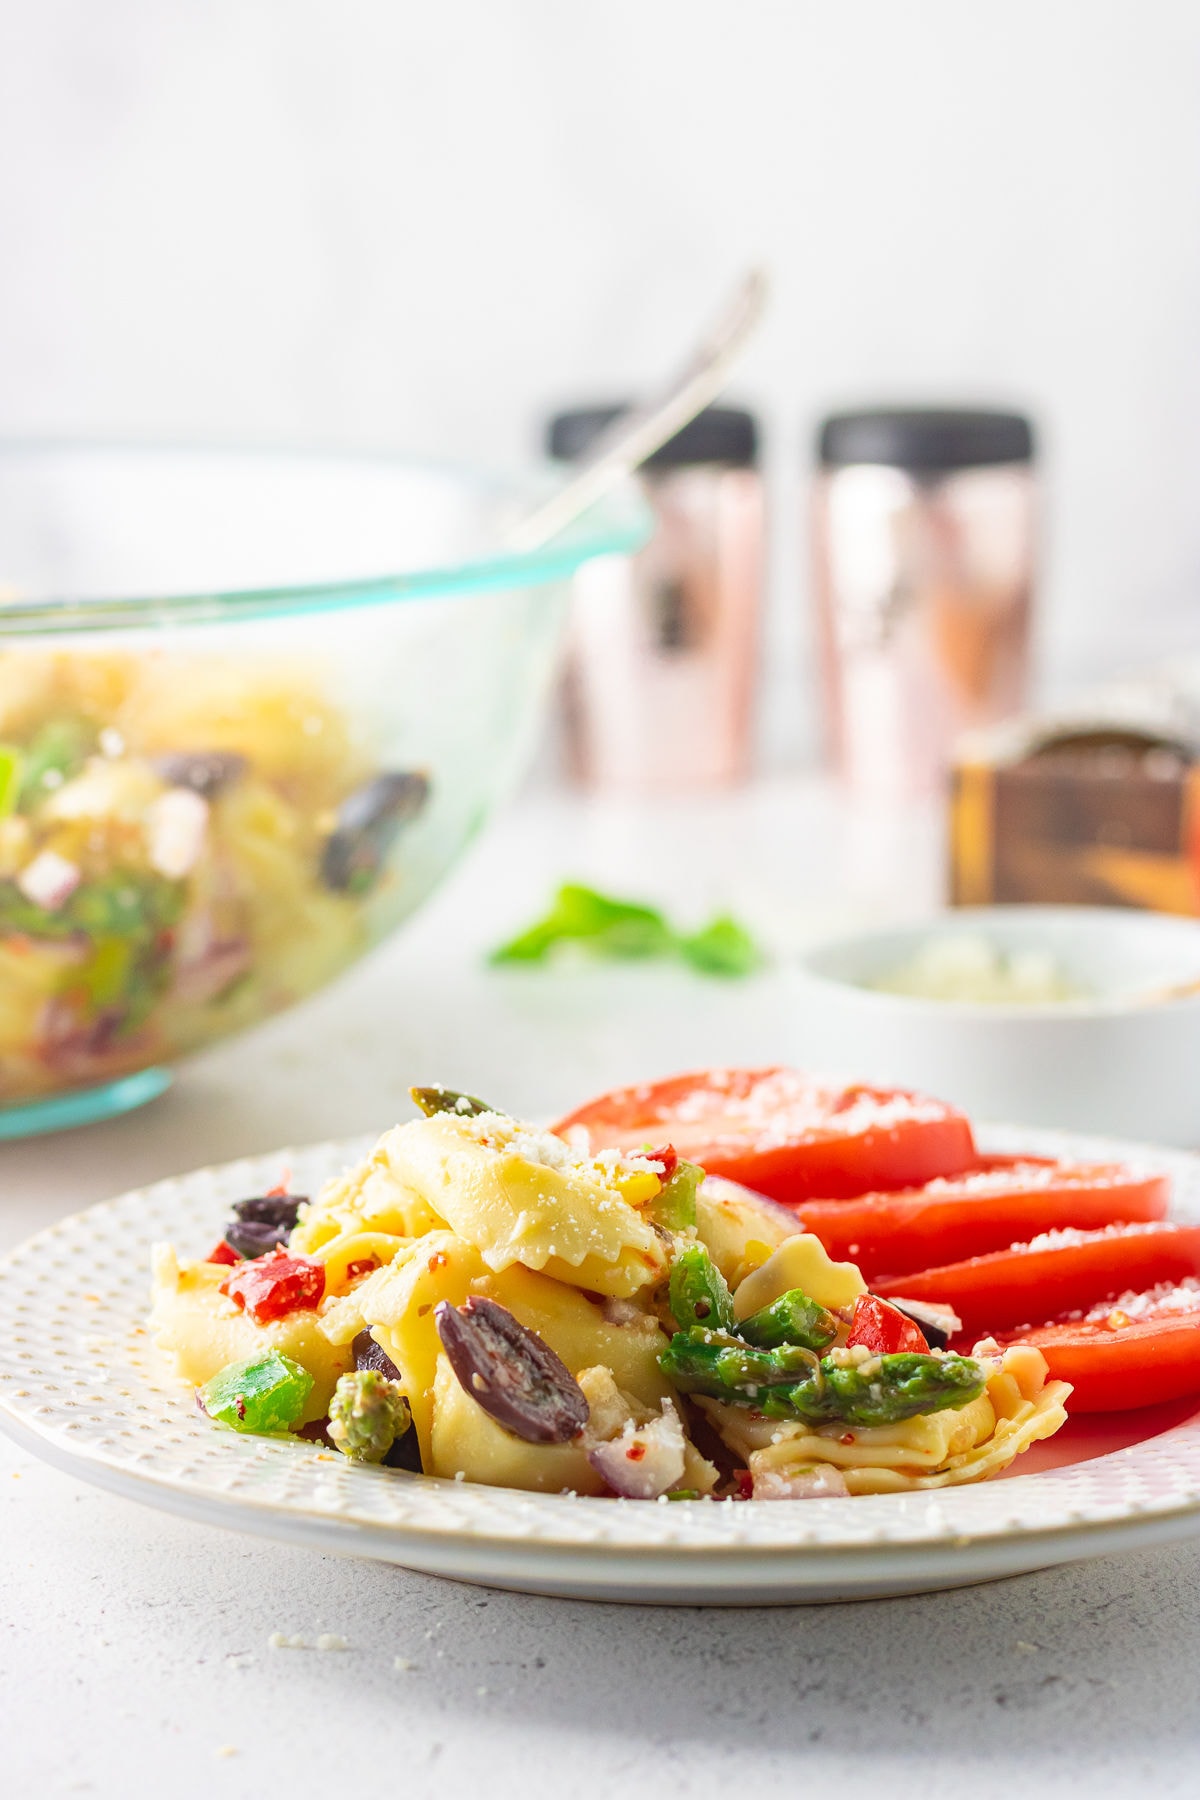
(1124, 1062)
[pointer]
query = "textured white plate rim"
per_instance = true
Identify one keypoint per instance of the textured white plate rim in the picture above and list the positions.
(1144, 1493)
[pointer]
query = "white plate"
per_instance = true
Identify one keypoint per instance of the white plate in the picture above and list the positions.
(81, 1384)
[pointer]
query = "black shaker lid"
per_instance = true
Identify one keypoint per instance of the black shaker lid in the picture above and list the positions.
(720, 434)
(925, 440)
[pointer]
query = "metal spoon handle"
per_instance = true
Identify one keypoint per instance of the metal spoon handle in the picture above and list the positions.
(625, 444)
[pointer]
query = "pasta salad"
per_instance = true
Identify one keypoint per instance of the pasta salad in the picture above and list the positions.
(187, 844)
(486, 1301)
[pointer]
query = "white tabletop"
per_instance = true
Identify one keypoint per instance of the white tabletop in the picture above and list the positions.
(134, 1655)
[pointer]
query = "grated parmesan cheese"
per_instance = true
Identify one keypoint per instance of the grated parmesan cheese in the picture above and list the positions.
(1065, 1235)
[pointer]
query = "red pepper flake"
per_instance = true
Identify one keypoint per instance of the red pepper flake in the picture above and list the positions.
(223, 1253)
(847, 1437)
(636, 1452)
(366, 1265)
(438, 1260)
(745, 1485)
(271, 1286)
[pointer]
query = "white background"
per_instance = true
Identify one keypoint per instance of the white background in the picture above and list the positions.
(392, 223)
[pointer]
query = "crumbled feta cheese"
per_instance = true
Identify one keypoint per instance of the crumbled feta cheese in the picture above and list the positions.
(644, 1460)
(176, 828)
(49, 880)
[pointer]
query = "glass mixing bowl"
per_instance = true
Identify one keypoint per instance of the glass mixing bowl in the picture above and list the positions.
(252, 707)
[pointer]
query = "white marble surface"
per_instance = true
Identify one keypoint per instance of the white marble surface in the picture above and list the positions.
(134, 1654)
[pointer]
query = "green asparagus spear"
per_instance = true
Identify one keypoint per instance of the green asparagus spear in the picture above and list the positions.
(367, 1414)
(701, 1362)
(900, 1387)
(698, 1292)
(433, 1100)
(675, 1208)
(792, 1319)
(905, 1384)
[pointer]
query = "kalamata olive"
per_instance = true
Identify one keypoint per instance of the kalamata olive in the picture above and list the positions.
(251, 1240)
(405, 1453)
(206, 772)
(271, 1209)
(433, 1100)
(511, 1372)
(368, 821)
(370, 1355)
(261, 1223)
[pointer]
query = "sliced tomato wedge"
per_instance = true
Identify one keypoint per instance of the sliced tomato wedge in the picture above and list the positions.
(999, 1204)
(787, 1135)
(1136, 1351)
(1058, 1272)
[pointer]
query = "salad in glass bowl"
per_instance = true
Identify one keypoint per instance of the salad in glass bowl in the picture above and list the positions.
(251, 709)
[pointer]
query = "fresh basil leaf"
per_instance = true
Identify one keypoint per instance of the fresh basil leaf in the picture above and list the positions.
(625, 930)
(723, 948)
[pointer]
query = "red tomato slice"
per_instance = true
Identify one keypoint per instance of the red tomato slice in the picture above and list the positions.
(1000, 1204)
(786, 1135)
(879, 1327)
(1059, 1272)
(1140, 1350)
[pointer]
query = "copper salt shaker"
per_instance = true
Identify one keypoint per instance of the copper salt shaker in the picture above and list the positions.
(663, 651)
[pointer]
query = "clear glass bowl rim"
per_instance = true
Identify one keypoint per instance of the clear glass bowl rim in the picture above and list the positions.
(619, 524)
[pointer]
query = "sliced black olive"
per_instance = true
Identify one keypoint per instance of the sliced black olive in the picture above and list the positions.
(433, 1100)
(939, 1323)
(511, 1372)
(370, 1355)
(368, 821)
(206, 772)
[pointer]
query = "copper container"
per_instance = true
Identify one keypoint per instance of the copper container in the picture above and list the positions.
(924, 542)
(1099, 806)
(663, 653)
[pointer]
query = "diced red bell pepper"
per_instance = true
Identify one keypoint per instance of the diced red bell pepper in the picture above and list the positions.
(223, 1253)
(668, 1156)
(883, 1329)
(275, 1284)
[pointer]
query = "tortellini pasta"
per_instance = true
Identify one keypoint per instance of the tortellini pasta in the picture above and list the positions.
(466, 1210)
